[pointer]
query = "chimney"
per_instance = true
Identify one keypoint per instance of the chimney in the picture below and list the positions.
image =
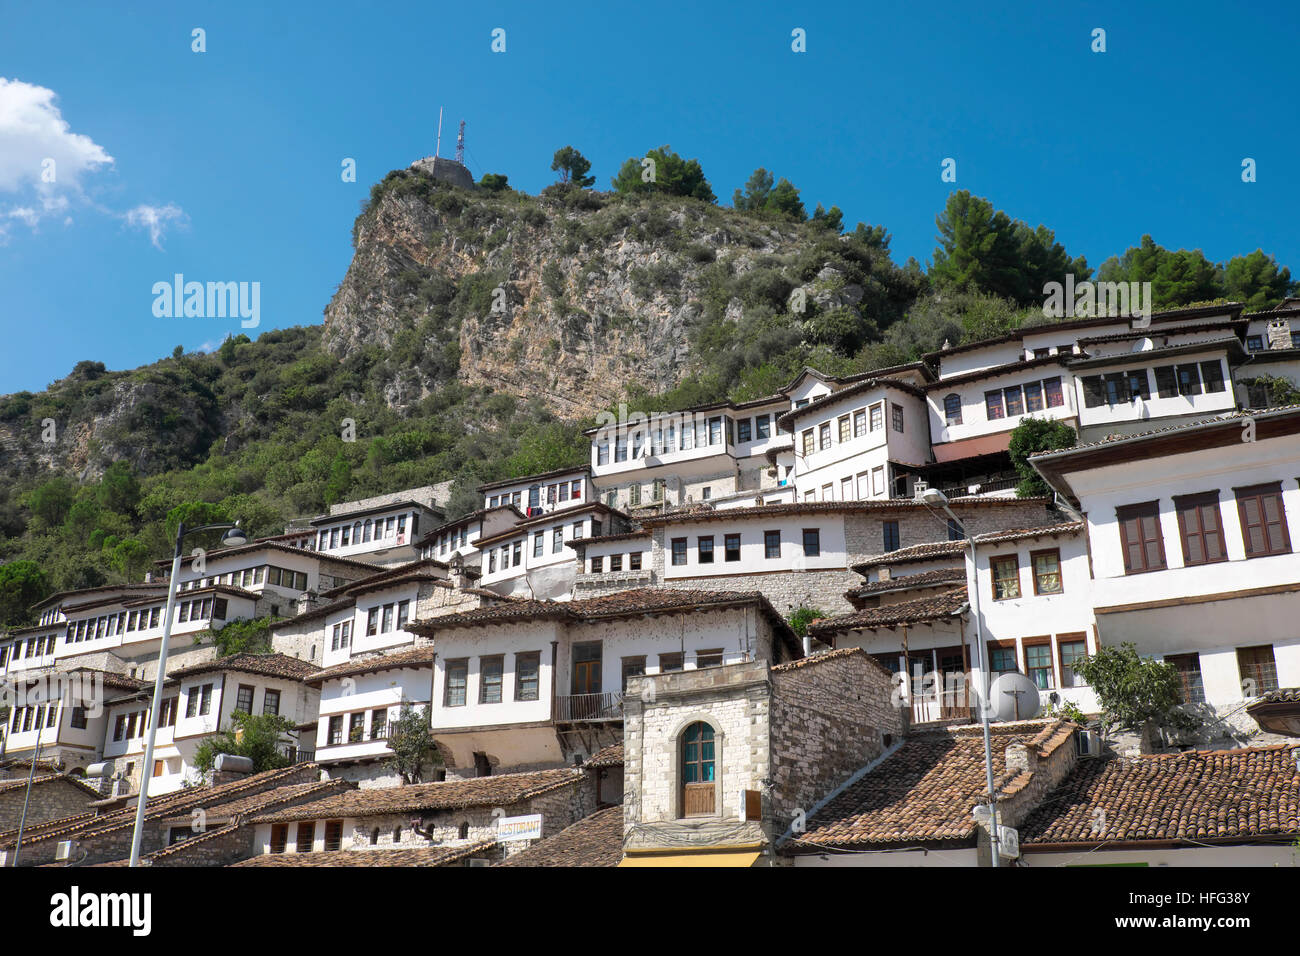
(1279, 334)
(885, 574)
(307, 601)
(456, 572)
(1020, 757)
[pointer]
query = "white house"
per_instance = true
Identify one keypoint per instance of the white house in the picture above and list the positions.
(540, 494)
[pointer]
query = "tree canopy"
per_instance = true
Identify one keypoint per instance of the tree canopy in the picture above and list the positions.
(663, 171)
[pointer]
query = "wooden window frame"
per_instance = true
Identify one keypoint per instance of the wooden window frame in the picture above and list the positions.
(1259, 493)
(279, 838)
(1261, 686)
(500, 661)
(521, 659)
(455, 664)
(767, 546)
(1073, 637)
(305, 828)
(1138, 510)
(1186, 687)
(1044, 640)
(1011, 645)
(333, 835)
(1033, 571)
(1196, 504)
(993, 577)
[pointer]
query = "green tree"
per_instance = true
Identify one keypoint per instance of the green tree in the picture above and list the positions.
(52, 500)
(494, 182)
(193, 513)
(761, 196)
(572, 167)
(1256, 281)
(128, 557)
(663, 171)
(259, 738)
(1136, 693)
(247, 636)
(339, 481)
(411, 741)
(22, 584)
(1034, 435)
(119, 490)
(801, 617)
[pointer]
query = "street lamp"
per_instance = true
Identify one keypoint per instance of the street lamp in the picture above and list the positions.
(935, 498)
(234, 537)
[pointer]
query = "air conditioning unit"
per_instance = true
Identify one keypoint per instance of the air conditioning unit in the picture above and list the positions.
(1088, 743)
(919, 486)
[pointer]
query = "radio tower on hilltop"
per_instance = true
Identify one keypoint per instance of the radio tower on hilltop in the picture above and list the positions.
(460, 144)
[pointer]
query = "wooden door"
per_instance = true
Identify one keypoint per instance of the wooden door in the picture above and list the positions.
(699, 787)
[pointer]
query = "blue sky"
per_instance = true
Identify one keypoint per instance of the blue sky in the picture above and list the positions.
(225, 165)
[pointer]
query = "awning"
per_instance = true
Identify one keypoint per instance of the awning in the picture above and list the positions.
(727, 856)
(971, 447)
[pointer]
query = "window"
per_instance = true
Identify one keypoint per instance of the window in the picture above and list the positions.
(731, 547)
(1189, 674)
(539, 542)
(489, 680)
(807, 437)
(403, 613)
(602, 454)
(889, 532)
(1254, 343)
(993, 405)
(897, 413)
(878, 480)
(279, 837)
(78, 719)
(762, 427)
(952, 408)
(1006, 577)
(632, 667)
(454, 691)
(658, 489)
(698, 771)
(191, 703)
(1002, 658)
(372, 622)
(1263, 520)
(743, 430)
(306, 836)
(679, 551)
(704, 549)
(557, 540)
(812, 542)
(244, 699)
(1166, 381)
(388, 618)
(1189, 380)
(715, 431)
(859, 423)
(333, 834)
(1033, 396)
(824, 436)
(335, 730)
(527, 675)
(634, 561)
(844, 433)
(955, 531)
(1047, 572)
(1072, 647)
(587, 667)
(877, 416)
(1258, 670)
(709, 658)
(1015, 401)
(271, 701)
(616, 562)
(1038, 663)
(357, 727)
(670, 662)
(1139, 531)
(634, 494)
(205, 701)
(1200, 528)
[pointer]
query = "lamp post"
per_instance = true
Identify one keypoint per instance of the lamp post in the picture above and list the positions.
(233, 537)
(937, 499)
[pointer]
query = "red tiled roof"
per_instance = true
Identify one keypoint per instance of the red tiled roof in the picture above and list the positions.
(269, 665)
(596, 840)
(1016, 534)
(611, 756)
(697, 514)
(412, 657)
(497, 790)
(916, 553)
(919, 611)
(1198, 796)
(906, 582)
(413, 856)
(925, 791)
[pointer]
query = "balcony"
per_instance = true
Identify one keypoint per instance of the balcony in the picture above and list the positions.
(297, 756)
(594, 707)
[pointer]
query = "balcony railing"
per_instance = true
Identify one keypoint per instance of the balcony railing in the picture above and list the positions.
(296, 755)
(606, 706)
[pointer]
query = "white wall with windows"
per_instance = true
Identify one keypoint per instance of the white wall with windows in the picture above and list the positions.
(356, 711)
(749, 545)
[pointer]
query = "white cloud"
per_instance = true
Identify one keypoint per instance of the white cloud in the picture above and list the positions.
(155, 219)
(45, 167)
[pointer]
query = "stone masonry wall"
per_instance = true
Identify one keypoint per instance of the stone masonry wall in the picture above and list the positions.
(51, 800)
(830, 715)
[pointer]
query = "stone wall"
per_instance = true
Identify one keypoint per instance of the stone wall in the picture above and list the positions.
(830, 716)
(51, 800)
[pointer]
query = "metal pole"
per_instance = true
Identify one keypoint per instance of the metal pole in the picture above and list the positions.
(147, 769)
(22, 821)
(983, 687)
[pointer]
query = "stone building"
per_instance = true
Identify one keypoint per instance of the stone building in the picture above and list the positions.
(719, 762)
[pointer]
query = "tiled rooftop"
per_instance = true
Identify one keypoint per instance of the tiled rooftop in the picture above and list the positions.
(596, 840)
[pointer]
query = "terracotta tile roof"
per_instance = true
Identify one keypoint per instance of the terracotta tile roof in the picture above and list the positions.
(508, 611)
(471, 516)
(824, 657)
(605, 538)
(1147, 333)
(497, 790)
(560, 516)
(925, 791)
(524, 479)
(323, 611)
(1283, 695)
(1167, 429)
(919, 611)
(415, 856)
(110, 679)
(1008, 369)
(611, 756)
(917, 552)
(411, 657)
(245, 804)
(20, 783)
(179, 802)
(596, 840)
(274, 546)
(1194, 796)
(866, 384)
(269, 665)
(421, 569)
(1015, 534)
(905, 582)
(698, 513)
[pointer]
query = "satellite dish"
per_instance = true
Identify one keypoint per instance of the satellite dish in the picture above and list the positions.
(1013, 696)
(1143, 345)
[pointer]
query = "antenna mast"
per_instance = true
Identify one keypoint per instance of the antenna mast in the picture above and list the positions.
(460, 144)
(438, 145)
